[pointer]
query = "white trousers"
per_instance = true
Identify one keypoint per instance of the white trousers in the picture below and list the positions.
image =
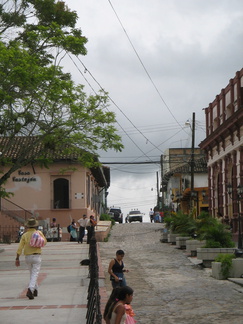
(34, 263)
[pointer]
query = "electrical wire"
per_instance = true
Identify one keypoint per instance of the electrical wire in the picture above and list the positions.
(140, 60)
(147, 140)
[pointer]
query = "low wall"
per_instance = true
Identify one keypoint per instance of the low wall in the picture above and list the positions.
(236, 270)
(172, 238)
(181, 242)
(208, 255)
(192, 245)
(102, 230)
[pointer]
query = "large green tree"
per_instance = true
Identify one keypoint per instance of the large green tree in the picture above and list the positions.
(39, 100)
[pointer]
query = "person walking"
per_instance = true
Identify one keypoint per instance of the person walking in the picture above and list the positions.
(32, 256)
(151, 215)
(91, 223)
(114, 297)
(53, 223)
(117, 311)
(157, 217)
(83, 223)
(116, 270)
(73, 231)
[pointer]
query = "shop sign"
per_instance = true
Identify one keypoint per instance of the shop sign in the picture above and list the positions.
(24, 176)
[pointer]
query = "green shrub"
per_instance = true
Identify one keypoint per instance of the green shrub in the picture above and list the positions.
(167, 220)
(212, 244)
(105, 217)
(181, 223)
(215, 233)
(226, 263)
(217, 236)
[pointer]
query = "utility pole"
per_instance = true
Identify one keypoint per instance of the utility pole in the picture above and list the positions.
(157, 173)
(161, 184)
(192, 152)
(192, 161)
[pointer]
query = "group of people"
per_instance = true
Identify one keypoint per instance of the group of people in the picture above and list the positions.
(118, 309)
(156, 216)
(77, 232)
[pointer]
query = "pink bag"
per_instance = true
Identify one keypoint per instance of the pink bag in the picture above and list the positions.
(37, 240)
(130, 320)
(130, 315)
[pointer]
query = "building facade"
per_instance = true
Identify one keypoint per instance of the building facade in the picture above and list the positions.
(178, 194)
(65, 190)
(224, 148)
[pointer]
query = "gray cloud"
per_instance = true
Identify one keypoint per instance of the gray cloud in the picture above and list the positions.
(190, 50)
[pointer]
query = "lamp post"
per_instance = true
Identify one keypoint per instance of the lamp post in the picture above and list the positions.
(194, 195)
(179, 196)
(239, 197)
(172, 196)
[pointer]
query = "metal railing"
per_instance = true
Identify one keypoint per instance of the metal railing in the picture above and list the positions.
(9, 233)
(93, 315)
(14, 211)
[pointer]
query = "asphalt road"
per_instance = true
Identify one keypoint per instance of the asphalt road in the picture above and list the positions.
(168, 287)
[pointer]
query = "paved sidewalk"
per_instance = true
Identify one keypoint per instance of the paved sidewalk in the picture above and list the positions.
(63, 286)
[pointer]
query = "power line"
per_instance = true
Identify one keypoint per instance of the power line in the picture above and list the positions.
(140, 60)
(143, 162)
(86, 70)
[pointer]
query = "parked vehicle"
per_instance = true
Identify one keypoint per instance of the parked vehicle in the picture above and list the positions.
(116, 214)
(134, 216)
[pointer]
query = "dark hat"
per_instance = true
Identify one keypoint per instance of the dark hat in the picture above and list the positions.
(31, 222)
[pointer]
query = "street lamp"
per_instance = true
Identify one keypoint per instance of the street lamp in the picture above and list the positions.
(179, 197)
(239, 197)
(194, 195)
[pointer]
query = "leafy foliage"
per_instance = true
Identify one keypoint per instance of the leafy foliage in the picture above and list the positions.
(218, 236)
(215, 233)
(38, 99)
(181, 223)
(226, 263)
(205, 227)
(105, 217)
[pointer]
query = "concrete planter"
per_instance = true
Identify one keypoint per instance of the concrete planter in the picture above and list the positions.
(172, 238)
(236, 270)
(164, 237)
(181, 242)
(192, 245)
(208, 255)
(102, 230)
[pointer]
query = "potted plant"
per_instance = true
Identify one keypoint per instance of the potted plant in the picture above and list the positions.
(180, 225)
(218, 240)
(221, 268)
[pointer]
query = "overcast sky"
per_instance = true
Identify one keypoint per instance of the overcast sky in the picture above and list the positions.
(160, 61)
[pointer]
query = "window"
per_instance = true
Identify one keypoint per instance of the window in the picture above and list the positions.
(61, 193)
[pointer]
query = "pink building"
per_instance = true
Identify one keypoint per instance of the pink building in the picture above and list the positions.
(224, 147)
(65, 191)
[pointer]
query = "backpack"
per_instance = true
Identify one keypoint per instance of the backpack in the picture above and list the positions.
(69, 228)
(37, 240)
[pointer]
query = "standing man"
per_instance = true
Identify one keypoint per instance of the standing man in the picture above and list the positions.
(90, 228)
(32, 256)
(151, 215)
(83, 223)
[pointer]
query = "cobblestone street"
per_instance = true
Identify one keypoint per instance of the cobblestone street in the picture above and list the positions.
(168, 287)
